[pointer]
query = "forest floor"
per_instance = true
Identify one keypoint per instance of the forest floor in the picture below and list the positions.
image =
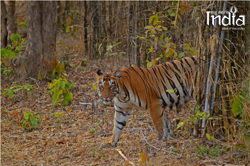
(70, 136)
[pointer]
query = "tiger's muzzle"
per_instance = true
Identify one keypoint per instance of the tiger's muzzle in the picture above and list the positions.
(107, 100)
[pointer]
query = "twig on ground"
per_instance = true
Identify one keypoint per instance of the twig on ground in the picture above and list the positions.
(106, 134)
(85, 103)
(35, 81)
(93, 104)
(156, 147)
(124, 157)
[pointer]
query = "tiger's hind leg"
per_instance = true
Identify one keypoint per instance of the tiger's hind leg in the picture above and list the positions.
(167, 129)
(157, 117)
(120, 121)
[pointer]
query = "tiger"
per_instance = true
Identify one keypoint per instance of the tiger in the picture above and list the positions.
(170, 84)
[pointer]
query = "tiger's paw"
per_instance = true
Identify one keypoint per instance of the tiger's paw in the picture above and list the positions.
(108, 144)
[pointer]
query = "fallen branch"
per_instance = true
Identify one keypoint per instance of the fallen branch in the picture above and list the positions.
(156, 147)
(93, 105)
(124, 157)
(85, 103)
(35, 81)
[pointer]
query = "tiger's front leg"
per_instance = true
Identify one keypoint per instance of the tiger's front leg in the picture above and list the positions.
(120, 121)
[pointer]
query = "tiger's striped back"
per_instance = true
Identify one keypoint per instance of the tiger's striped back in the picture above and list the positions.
(173, 83)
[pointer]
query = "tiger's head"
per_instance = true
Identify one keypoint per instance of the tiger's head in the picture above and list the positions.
(107, 86)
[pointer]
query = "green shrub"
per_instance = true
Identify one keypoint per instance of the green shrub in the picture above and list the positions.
(59, 88)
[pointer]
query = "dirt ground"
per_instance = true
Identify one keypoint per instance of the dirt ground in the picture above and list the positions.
(75, 137)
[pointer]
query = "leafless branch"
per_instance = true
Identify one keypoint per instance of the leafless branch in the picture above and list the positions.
(156, 147)
(124, 157)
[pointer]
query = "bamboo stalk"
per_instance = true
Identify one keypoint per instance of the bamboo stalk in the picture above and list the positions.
(210, 74)
(225, 119)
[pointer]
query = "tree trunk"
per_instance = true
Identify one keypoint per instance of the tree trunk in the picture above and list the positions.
(66, 14)
(113, 21)
(59, 9)
(108, 19)
(95, 18)
(145, 56)
(4, 24)
(41, 30)
(99, 33)
(11, 22)
(104, 28)
(137, 54)
(49, 28)
(85, 26)
(128, 34)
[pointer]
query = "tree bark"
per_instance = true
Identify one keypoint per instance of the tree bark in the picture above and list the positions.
(137, 55)
(108, 24)
(95, 18)
(59, 9)
(66, 13)
(85, 26)
(4, 24)
(11, 22)
(49, 28)
(99, 34)
(128, 34)
(41, 30)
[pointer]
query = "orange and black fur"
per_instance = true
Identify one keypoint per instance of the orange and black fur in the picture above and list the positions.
(171, 84)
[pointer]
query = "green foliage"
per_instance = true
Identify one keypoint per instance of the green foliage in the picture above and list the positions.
(149, 64)
(171, 91)
(242, 100)
(58, 71)
(241, 106)
(58, 115)
(10, 92)
(171, 12)
(17, 44)
(216, 152)
(179, 125)
(202, 151)
(72, 30)
(199, 116)
(15, 37)
(52, 70)
(59, 88)
(92, 130)
(24, 24)
(12, 51)
(7, 53)
(213, 152)
(31, 119)
(209, 137)
(195, 119)
(156, 25)
(158, 30)
(85, 62)
(189, 50)
(94, 86)
(110, 51)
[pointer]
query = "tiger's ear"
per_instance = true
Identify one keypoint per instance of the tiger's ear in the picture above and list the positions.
(99, 72)
(118, 74)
